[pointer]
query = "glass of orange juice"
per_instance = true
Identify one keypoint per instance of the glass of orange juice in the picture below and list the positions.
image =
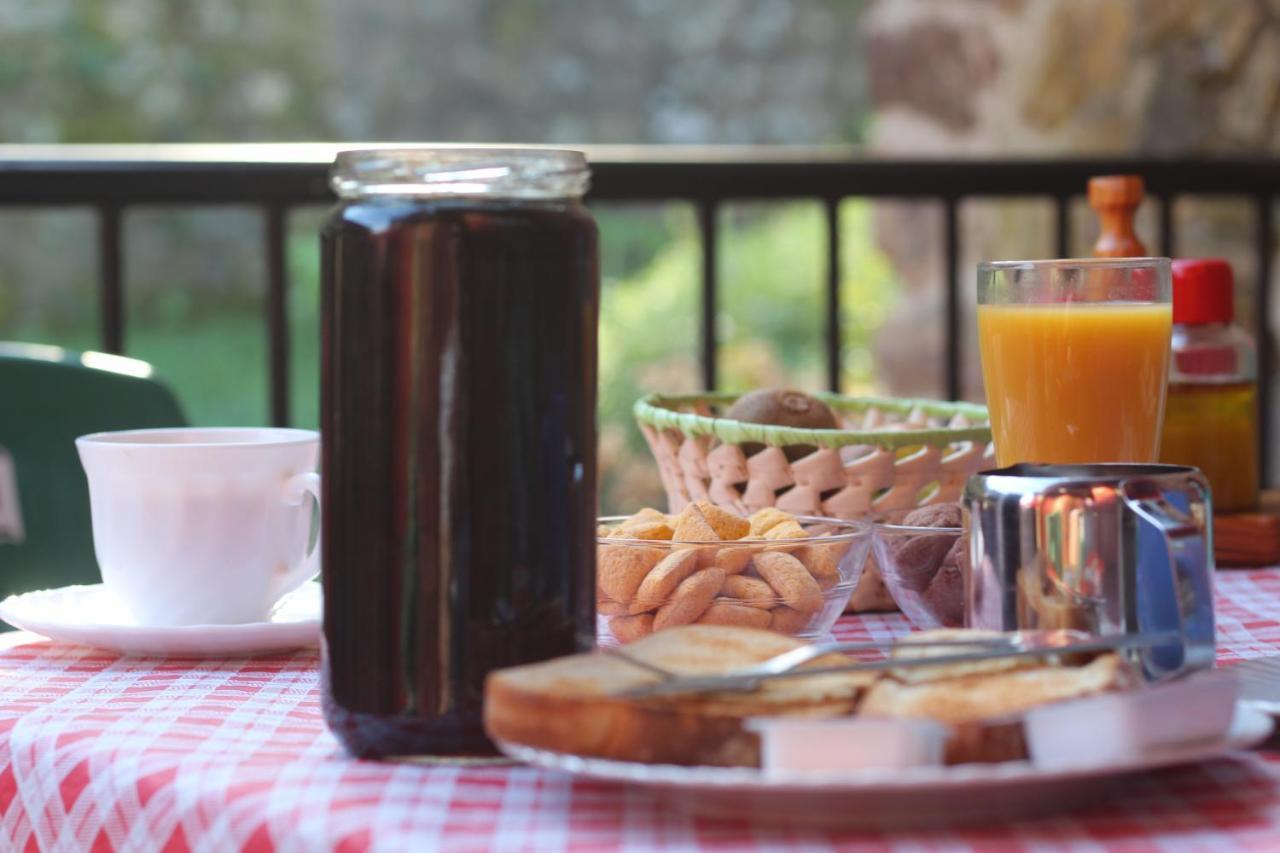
(1075, 358)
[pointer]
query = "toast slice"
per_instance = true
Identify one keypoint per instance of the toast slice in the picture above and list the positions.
(983, 704)
(571, 704)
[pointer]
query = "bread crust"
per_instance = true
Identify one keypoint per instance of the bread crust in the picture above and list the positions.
(984, 709)
(567, 705)
(611, 728)
(571, 705)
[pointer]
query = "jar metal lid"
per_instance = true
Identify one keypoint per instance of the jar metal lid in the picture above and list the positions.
(459, 171)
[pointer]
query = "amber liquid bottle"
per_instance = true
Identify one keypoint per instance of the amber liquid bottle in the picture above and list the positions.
(459, 313)
(1211, 417)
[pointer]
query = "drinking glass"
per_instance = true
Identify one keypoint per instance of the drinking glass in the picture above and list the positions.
(1075, 358)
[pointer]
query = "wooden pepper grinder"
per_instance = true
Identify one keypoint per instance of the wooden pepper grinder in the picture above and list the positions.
(1115, 198)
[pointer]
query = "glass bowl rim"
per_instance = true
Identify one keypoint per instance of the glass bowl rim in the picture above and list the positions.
(907, 529)
(861, 528)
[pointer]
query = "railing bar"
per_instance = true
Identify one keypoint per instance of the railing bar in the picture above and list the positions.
(834, 332)
(1167, 241)
(234, 174)
(110, 280)
(707, 227)
(1262, 312)
(277, 314)
(951, 339)
(1062, 225)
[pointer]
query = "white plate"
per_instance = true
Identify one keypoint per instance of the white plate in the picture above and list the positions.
(877, 799)
(91, 616)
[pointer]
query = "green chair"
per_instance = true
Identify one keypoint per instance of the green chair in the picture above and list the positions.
(48, 397)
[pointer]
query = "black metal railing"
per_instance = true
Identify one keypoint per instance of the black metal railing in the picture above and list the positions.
(277, 178)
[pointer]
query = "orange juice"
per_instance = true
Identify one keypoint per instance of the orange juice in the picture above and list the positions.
(1075, 381)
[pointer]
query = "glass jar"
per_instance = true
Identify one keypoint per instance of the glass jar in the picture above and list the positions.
(458, 397)
(1211, 415)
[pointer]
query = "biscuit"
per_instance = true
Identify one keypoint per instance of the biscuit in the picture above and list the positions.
(691, 599)
(823, 562)
(728, 613)
(655, 530)
(786, 620)
(647, 514)
(748, 591)
(945, 596)
(605, 607)
(790, 580)
(726, 525)
(871, 594)
(622, 568)
(763, 519)
(648, 523)
(733, 560)
(692, 526)
(945, 593)
(787, 530)
(958, 556)
(626, 629)
(917, 557)
(661, 581)
(935, 515)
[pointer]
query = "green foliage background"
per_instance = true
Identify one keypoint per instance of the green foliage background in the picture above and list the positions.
(771, 324)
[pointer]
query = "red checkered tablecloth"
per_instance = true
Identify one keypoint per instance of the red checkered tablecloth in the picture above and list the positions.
(99, 752)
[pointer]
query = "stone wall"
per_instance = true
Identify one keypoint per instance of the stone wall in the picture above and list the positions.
(1001, 77)
(963, 78)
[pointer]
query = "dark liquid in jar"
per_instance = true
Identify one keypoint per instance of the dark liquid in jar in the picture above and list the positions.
(458, 461)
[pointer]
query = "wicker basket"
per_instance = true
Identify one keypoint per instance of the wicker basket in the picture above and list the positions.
(893, 455)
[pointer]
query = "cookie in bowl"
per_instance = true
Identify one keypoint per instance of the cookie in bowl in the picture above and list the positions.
(924, 562)
(709, 566)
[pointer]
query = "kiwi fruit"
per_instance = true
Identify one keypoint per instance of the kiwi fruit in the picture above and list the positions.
(782, 407)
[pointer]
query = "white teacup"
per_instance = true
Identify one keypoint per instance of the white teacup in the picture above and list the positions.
(196, 526)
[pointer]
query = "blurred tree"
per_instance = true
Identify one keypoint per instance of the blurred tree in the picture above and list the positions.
(159, 71)
(774, 258)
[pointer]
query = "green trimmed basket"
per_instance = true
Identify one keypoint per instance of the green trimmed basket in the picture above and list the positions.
(891, 455)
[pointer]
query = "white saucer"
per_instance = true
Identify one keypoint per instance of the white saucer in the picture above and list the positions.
(880, 799)
(91, 616)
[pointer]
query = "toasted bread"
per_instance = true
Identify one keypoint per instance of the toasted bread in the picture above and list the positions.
(983, 704)
(914, 647)
(572, 705)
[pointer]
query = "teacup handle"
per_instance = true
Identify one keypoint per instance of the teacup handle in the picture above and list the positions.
(296, 490)
(1187, 551)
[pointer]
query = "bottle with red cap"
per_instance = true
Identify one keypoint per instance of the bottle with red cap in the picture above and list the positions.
(1211, 413)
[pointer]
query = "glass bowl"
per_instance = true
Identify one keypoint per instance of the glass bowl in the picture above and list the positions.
(924, 570)
(794, 586)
